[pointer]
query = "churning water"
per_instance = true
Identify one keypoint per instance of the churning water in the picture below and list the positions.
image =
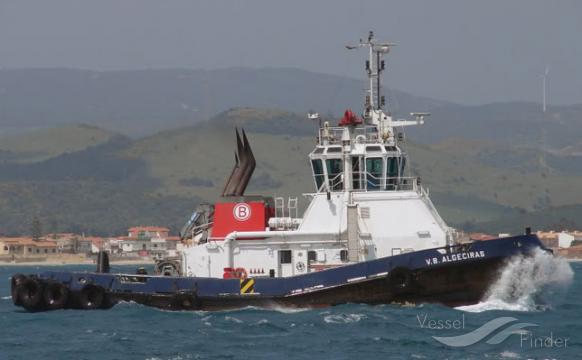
(531, 290)
(528, 284)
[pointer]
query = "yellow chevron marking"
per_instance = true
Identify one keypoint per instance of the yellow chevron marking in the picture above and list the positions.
(247, 286)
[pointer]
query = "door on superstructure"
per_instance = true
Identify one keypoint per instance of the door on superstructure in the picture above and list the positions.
(300, 261)
(285, 263)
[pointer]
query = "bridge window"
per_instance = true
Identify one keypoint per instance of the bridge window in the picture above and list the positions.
(318, 173)
(391, 173)
(335, 149)
(374, 148)
(402, 165)
(334, 171)
(374, 173)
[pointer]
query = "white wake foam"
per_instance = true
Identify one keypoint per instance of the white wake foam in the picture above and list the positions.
(527, 284)
(343, 318)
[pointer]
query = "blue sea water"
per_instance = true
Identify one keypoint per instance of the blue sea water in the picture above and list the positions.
(131, 331)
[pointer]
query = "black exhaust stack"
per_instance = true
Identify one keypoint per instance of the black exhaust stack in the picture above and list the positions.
(103, 262)
(244, 166)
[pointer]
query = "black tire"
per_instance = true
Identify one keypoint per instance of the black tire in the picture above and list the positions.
(29, 294)
(92, 297)
(185, 301)
(108, 301)
(15, 281)
(400, 280)
(56, 296)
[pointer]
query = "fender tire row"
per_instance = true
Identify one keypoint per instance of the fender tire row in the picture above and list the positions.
(35, 294)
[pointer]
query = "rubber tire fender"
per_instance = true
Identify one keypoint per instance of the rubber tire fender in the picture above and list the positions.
(91, 297)
(29, 294)
(56, 296)
(399, 279)
(15, 281)
(185, 301)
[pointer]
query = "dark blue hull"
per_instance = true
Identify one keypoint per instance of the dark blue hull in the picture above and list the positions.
(453, 276)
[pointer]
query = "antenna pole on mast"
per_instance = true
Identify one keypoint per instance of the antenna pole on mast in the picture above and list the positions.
(374, 68)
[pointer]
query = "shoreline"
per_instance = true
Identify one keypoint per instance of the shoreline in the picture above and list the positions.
(66, 263)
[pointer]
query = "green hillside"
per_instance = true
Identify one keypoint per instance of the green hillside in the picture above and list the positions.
(105, 186)
(44, 144)
(469, 185)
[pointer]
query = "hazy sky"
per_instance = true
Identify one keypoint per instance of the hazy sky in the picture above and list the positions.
(463, 51)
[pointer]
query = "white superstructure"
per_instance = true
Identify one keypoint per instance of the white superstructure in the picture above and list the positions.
(366, 205)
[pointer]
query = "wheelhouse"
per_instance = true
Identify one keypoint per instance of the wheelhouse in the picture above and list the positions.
(364, 163)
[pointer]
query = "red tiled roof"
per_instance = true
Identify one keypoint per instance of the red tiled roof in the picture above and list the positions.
(148, 228)
(26, 241)
(481, 236)
(62, 235)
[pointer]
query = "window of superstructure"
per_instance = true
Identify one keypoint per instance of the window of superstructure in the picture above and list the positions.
(334, 170)
(374, 173)
(344, 255)
(318, 173)
(373, 148)
(285, 256)
(334, 149)
(391, 173)
(311, 256)
(402, 161)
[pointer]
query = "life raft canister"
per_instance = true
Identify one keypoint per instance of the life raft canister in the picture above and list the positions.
(240, 273)
(234, 273)
(228, 273)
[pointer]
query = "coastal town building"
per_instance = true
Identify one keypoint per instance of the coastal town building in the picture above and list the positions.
(141, 242)
(26, 247)
(151, 242)
(148, 232)
(561, 239)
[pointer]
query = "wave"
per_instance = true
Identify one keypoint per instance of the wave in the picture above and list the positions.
(343, 318)
(527, 283)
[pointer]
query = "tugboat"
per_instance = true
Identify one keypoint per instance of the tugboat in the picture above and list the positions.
(369, 235)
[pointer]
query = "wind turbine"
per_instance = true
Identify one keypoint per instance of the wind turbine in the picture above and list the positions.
(544, 88)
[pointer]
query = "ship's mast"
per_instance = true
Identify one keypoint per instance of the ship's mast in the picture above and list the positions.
(374, 67)
(374, 114)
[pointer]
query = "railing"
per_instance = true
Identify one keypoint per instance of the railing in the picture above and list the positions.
(365, 182)
(373, 182)
(333, 135)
